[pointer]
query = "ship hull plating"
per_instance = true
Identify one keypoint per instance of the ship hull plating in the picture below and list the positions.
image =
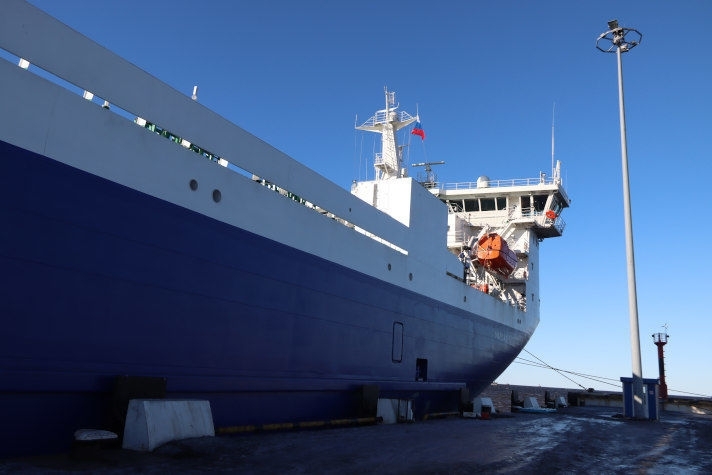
(99, 280)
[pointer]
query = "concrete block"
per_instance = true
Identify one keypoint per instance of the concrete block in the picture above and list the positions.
(154, 422)
(531, 402)
(395, 410)
(482, 405)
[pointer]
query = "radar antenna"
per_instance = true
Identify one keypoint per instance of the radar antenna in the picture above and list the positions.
(430, 177)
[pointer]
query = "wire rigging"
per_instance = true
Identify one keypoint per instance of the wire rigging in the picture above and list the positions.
(575, 373)
(551, 367)
(600, 379)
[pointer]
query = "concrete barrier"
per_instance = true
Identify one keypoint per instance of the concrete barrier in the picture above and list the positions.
(153, 422)
(482, 408)
(395, 410)
(531, 403)
(688, 406)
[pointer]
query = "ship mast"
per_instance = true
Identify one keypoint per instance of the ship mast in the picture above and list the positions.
(389, 162)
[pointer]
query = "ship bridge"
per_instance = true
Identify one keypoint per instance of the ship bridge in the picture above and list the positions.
(530, 203)
(495, 226)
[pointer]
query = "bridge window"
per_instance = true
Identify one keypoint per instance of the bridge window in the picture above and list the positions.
(556, 205)
(487, 204)
(471, 205)
(540, 202)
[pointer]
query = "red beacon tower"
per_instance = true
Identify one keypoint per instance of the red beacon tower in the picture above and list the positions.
(660, 339)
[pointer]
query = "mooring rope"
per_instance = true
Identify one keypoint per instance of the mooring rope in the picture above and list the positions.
(599, 379)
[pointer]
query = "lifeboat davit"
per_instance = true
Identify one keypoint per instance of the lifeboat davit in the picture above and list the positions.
(494, 253)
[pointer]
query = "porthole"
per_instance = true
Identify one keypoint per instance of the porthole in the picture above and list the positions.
(193, 185)
(389, 266)
(217, 196)
(410, 276)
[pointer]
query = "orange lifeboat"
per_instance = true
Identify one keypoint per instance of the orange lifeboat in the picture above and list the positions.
(494, 253)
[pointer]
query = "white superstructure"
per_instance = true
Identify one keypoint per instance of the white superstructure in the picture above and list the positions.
(521, 211)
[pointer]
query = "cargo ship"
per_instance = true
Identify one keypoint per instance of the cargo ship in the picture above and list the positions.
(146, 238)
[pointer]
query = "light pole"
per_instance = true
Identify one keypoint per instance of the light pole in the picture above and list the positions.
(616, 36)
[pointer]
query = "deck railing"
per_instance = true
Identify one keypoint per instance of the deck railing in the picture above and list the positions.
(468, 185)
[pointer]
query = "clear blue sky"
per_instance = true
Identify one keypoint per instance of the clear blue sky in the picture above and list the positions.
(484, 77)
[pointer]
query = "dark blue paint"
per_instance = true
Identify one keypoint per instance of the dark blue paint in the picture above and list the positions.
(99, 280)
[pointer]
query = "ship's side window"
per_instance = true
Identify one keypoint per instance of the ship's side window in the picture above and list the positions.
(487, 204)
(501, 202)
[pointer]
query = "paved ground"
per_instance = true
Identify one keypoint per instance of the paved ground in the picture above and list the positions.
(573, 440)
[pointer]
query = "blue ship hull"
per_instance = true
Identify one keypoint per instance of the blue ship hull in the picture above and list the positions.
(99, 280)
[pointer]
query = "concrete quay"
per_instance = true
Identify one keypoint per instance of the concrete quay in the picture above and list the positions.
(585, 439)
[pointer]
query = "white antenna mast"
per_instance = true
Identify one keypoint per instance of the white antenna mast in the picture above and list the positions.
(553, 111)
